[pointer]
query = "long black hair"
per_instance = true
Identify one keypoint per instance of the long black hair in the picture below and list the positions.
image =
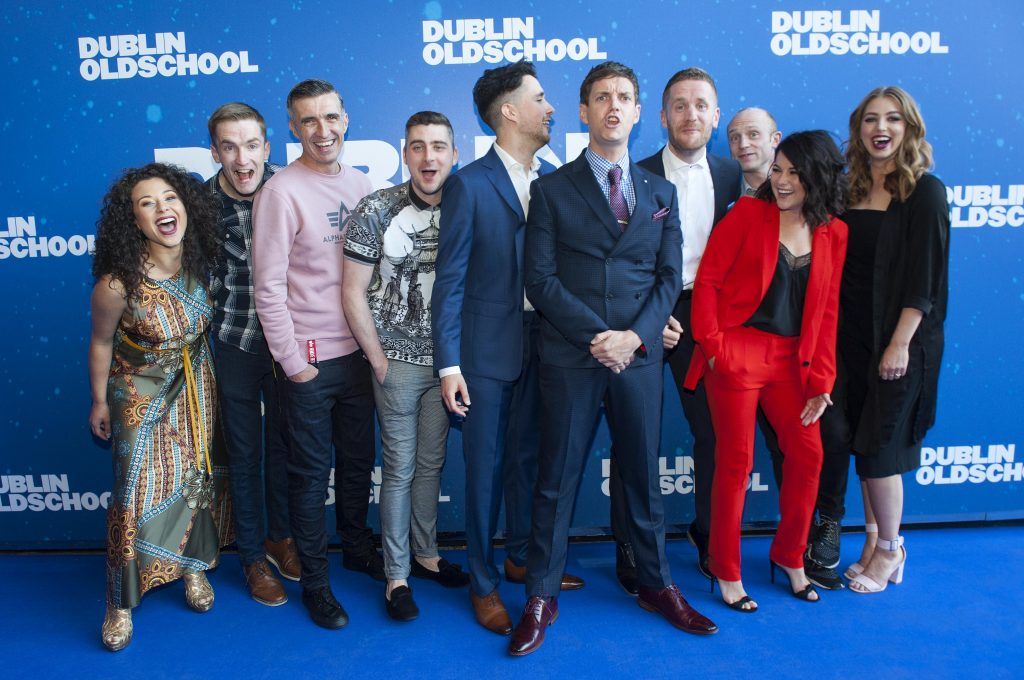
(120, 244)
(819, 164)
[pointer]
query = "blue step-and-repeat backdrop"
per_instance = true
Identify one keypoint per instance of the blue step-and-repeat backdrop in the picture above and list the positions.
(91, 88)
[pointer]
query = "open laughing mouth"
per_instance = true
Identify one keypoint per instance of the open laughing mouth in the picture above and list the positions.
(880, 142)
(324, 146)
(167, 225)
(244, 176)
(429, 175)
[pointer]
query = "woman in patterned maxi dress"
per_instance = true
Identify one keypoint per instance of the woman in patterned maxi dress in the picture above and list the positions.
(153, 389)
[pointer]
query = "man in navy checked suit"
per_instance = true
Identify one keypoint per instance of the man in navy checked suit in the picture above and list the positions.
(603, 253)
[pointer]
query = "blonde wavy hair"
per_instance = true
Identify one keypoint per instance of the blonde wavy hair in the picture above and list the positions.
(913, 158)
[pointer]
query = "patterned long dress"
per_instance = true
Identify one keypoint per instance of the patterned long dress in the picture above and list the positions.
(170, 511)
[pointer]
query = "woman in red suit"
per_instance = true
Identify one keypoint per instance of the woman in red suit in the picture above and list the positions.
(765, 307)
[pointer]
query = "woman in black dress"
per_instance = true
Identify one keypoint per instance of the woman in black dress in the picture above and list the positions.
(893, 305)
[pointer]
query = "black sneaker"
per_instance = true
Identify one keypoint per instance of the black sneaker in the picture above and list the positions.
(823, 544)
(370, 563)
(324, 609)
(699, 541)
(401, 606)
(823, 577)
(448, 575)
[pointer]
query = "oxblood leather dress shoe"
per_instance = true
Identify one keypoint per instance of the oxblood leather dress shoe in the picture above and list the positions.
(540, 612)
(491, 613)
(671, 604)
(517, 574)
(625, 568)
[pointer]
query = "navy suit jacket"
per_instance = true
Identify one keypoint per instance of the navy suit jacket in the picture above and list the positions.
(585, 275)
(726, 179)
(477, 301)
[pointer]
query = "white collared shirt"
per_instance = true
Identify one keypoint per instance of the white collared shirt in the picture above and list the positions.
(521, 177)
(696, 207)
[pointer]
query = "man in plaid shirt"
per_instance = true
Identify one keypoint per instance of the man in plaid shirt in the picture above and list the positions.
(251, 415)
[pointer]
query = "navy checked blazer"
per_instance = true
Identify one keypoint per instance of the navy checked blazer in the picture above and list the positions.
(585, 275)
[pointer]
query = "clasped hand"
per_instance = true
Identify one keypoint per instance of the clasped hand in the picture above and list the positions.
(615, 349)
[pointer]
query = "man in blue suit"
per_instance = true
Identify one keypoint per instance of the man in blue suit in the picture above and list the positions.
(484, 341)
(603, 257)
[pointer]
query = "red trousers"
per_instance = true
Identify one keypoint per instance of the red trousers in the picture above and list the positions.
(758, 368)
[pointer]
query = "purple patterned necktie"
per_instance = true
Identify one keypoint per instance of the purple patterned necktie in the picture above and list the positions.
(616, 199)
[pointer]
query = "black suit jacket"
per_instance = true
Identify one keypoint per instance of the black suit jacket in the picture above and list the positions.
(585, 275)
(726, 179)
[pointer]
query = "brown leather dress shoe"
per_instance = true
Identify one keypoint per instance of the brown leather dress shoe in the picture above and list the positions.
(515, 574)
(263, 585)
(491, 613)
(283, 555)
(671, 604)
(539, 613)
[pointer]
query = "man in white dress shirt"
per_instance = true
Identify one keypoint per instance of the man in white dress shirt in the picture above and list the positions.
(707, 186)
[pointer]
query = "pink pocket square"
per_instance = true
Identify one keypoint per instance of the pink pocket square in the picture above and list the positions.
(660, 215)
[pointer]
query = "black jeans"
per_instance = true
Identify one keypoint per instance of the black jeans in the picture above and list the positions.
(334, 409)
(257, 452)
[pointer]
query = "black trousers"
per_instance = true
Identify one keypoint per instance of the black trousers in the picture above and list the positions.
(257, 451)
(332, 413)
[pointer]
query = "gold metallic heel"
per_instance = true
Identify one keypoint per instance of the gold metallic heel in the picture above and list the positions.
(117, 629)
(198, 592)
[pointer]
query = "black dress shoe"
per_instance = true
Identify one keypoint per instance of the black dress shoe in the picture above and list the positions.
(448, 575)
(700, 541)
(324, 609)
(369, 563)
(401, 606)
(625, 568)
(823, 577)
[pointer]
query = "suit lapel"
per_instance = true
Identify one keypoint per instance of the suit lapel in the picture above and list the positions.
(821, 267)
(642, 189)
(583, 178)
(769, 248)
(498, 176)
(718, 182)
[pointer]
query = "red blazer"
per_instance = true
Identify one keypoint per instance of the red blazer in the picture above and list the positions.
(734, 275)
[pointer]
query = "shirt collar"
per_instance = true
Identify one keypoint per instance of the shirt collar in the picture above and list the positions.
(673, 163)
(599, 163)
(511, 164)
(415, 199)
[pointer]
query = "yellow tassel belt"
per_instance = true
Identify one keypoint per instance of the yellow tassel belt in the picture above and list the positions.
(194, 411)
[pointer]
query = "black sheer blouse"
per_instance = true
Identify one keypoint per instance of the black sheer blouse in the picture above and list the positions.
(782, 309)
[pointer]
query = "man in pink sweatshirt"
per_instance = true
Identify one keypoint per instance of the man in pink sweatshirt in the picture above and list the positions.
(298, 236)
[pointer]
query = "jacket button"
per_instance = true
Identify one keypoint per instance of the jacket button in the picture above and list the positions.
(637, 296)
(807, 363)
(608, 261)
(609, 296)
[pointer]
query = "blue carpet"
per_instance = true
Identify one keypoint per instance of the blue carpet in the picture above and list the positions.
(957, 614)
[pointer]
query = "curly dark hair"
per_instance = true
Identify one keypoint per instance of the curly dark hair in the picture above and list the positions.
(121, 245)
(819, 164)
(496, 85)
